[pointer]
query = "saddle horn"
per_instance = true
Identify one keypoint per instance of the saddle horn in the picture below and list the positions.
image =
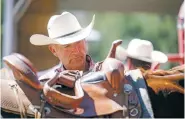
(113, 68)
(112, 51)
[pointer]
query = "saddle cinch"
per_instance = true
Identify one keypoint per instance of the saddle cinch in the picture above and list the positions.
(68, 94)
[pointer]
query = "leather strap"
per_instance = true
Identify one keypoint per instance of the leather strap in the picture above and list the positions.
(37, 114)
(19, 101)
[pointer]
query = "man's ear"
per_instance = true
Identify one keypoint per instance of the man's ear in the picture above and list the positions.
(52, 49)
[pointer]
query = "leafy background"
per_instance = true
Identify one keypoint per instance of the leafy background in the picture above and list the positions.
(161, 30)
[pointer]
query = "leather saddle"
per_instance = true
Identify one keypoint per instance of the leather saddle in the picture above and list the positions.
(88, 96)
(68, 94)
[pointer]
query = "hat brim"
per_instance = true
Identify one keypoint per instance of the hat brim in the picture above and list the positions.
(39, 39)
(156, 56)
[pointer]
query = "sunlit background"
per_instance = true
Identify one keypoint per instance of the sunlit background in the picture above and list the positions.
(154, 20)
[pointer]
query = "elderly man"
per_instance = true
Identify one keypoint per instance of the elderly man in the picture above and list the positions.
(140, 54)
(67, 42)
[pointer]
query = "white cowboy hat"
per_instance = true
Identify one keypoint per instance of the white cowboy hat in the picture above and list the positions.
(141, 50)
(62, 29)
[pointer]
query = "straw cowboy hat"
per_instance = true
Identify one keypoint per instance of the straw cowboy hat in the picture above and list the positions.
(62, 29)
(141, 50)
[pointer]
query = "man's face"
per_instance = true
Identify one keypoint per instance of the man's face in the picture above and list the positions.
(72, 56)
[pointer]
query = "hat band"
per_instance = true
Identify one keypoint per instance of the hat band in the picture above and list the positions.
(67, 34)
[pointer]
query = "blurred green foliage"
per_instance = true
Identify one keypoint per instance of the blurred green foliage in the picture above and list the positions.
(159, 29)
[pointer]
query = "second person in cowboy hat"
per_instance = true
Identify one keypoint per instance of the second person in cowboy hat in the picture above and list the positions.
(67, 42)
(141, 54)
